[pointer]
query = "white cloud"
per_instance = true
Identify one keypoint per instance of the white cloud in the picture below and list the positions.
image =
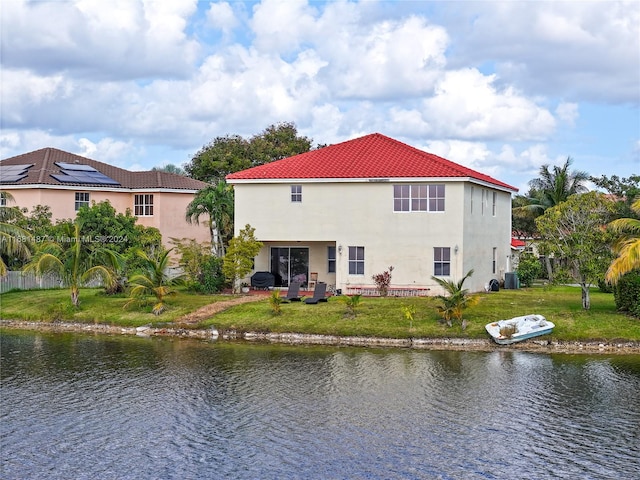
(568, 113)
(467, 105)
(221, 16)
(570, 49)
(124, 39)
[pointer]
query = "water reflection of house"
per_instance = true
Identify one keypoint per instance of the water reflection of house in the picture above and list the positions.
(351, 210)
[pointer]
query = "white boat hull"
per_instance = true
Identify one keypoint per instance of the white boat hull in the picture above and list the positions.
(527, 326)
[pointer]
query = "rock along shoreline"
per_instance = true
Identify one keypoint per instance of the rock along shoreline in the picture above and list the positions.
(533, 345)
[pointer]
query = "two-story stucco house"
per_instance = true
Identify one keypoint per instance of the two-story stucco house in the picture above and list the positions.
(343, 213)
(65, 182)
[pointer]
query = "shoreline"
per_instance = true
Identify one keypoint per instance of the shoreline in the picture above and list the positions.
(291, 338)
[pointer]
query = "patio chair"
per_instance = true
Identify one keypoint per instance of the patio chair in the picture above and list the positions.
(318, 294)
(293, 293)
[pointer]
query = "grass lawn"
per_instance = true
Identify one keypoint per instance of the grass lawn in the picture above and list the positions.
(378, 317)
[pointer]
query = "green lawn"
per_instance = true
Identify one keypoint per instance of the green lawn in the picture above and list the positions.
(379, 317)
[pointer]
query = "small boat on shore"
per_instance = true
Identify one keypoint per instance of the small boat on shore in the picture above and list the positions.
(516, 329)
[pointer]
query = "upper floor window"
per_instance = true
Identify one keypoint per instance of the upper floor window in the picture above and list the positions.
(3, 199)
(356, 260)
(331, 259)
(495, 202)
(418, 198)
(296, 193)
(143, 205)
(441, 261)
(82, 200)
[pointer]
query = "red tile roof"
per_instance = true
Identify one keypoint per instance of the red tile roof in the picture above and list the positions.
(517, 243)
(371, 156)
(43, 163)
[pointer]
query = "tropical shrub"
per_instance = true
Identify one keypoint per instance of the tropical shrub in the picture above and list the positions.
(383, 281)
(626, 293)
(529, 268)
(238, 261)
(352, 302)
(275, 302)
(154, 279)
(456, 300)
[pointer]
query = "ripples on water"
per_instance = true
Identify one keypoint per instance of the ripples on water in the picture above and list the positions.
(79, 407)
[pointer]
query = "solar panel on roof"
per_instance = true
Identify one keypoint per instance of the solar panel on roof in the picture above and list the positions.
(83, 176)
(13, 173)
(76, 167)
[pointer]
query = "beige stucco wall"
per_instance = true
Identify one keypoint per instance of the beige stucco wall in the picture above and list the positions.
(169, 208)
(361, 214)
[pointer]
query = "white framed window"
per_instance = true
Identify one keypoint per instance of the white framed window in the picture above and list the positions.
(296, 193)
(356, 260)
(494, 204)
(418, 198)
(82, 200)
(143, 205)
(3, 199)
(441, 261)
(331, 259)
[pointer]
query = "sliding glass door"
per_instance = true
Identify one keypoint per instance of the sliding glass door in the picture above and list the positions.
(290, 264)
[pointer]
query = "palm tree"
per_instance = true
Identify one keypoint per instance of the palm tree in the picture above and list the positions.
(154, 279)
(627, 246)
(216, 201)
(14, 241)
(457, 299)
(554, 187)
(75, 261)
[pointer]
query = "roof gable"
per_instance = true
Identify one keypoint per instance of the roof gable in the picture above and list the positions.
(372, 156)
(50, 166)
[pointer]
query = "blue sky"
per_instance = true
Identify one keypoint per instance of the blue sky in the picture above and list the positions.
(501, 87)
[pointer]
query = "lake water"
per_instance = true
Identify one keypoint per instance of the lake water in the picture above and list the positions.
(89, 407)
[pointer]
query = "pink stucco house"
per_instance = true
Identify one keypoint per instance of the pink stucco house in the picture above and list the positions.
(65, 182)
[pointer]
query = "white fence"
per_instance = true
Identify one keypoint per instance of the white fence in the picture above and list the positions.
(22, 281)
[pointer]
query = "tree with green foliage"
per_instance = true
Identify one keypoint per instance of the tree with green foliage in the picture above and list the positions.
(76, 259)
(202, 270)
(216, 202)
(624, 190)
(552, 187)
(238, 261)
(575, 231)
(456, 299)
(154, 279)
(120, 233)
(14, 241)
(627, 246)
(232, 153)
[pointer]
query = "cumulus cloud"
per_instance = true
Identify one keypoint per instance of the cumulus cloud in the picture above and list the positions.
(121, 39)
(467, 105)
(573, 49)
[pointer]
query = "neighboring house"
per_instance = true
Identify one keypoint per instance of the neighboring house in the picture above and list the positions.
(65, 182)
(351, 210)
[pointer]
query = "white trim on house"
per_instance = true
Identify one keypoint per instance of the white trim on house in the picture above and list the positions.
(370, 180)
(46, 186)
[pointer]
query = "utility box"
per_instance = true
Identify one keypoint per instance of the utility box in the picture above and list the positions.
(511, 281)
